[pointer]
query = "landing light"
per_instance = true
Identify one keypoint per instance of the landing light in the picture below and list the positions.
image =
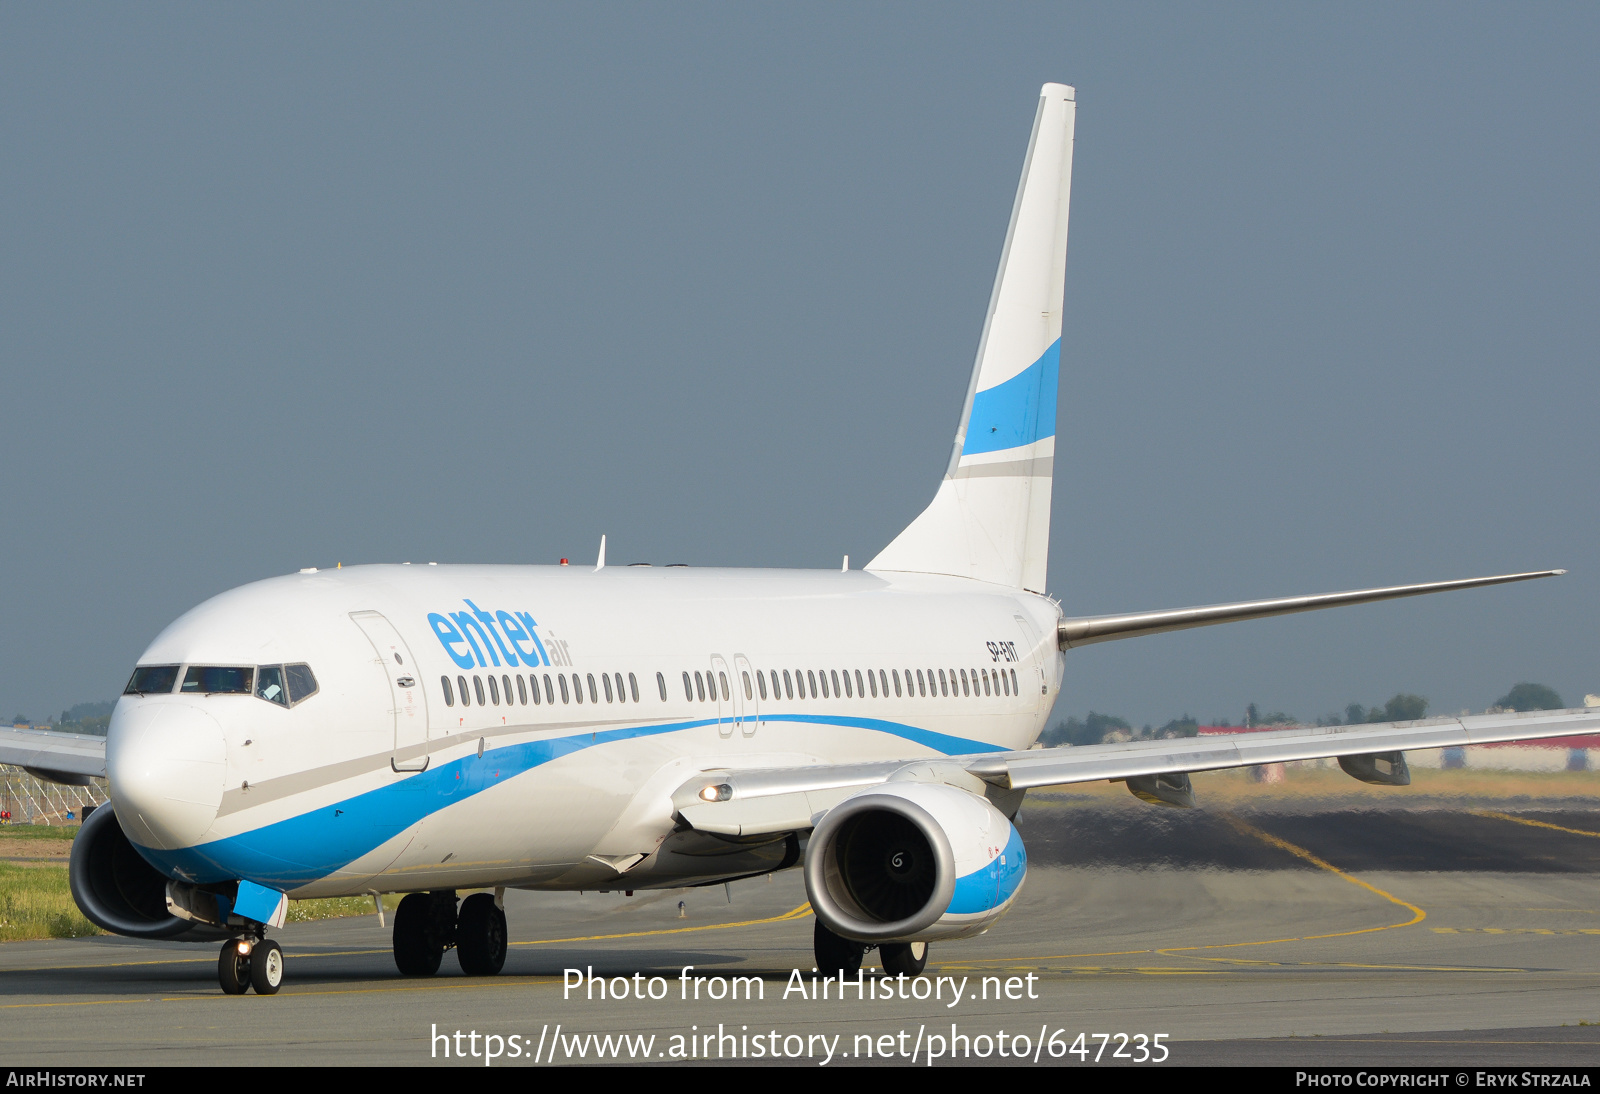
(720, 792)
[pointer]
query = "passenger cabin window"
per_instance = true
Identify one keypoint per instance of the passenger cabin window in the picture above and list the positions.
(606, 680)
(788, 691)
(269, 685)
(522, 691)
(494, 691)
(151, 680)
(533, 686)
(461, 685)
(761, 683)
(618, 678)
(449, 695)
(661, 686)
(688, 687)
(477, 689)
(218, 680)
(723, 677)
(562, 680)
(549, 691)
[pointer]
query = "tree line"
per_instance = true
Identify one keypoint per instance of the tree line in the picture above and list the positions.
(1097, 728)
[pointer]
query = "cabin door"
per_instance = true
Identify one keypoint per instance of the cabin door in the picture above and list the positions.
(726, 696)
(747, 708)
(1031, 669)
(408, 700)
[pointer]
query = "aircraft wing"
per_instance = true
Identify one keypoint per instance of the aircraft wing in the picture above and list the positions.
(70, 758)
(782, 799)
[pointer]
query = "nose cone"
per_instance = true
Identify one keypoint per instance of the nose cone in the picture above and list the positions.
(166, 761)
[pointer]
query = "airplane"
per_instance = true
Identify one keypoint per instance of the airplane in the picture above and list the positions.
(433, 729)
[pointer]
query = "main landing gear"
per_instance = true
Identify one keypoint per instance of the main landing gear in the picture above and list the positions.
(841, 956)
(250, 962)
(427, 924)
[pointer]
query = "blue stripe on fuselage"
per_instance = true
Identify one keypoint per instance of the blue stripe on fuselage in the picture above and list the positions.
(297, 851)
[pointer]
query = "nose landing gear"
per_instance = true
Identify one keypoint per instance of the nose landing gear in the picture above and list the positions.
(250, 962)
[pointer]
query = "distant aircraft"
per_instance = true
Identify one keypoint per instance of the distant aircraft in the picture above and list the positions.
(432, 729)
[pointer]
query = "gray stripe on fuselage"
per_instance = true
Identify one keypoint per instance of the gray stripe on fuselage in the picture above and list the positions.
(238, 799)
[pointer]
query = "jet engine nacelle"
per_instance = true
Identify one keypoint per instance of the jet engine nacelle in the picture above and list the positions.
(913, 862)
(118, 890)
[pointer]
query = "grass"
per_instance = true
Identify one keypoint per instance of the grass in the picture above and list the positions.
(336, 907)
(38, 831)
(35, 902)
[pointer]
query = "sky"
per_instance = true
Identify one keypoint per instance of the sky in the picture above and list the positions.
(295, 285)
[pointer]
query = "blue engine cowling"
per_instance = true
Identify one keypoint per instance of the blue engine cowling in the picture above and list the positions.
(913, 862)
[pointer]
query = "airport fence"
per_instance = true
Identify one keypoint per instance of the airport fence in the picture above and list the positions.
(31, 800)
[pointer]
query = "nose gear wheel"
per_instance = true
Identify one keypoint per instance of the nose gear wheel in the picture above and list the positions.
(233, 969)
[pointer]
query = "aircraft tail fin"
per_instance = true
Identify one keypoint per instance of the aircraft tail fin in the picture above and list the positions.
(990, 519)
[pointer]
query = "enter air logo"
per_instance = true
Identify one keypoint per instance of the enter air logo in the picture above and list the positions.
(505, 638)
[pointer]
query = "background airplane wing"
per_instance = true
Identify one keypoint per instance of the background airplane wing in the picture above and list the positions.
(778, 799)
(69, 758)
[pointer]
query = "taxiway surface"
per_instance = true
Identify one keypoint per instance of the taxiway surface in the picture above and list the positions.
(1320, 932)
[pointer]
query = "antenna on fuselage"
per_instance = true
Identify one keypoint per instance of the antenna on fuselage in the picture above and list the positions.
(600, 563)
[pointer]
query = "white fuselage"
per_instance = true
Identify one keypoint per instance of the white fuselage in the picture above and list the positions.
(326, 797)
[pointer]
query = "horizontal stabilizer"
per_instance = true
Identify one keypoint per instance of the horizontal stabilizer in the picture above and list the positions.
(1087, 630)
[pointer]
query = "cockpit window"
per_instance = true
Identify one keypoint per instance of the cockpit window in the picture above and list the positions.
(152, 680)
(302, 684)
(218, 679)
(269, 685)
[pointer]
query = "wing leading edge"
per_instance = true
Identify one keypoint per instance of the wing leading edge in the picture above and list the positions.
(70, 758)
